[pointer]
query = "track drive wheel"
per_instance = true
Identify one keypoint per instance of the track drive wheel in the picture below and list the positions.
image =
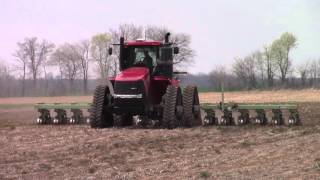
(100, 116)
(191, 107)
(172, 107)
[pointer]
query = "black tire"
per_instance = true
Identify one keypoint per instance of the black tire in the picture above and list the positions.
(100, 117)
(172, 98)
(191, 107)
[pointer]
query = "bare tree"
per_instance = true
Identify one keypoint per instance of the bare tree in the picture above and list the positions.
(218, 77)
(251, 70)
(303, 70)
(261, 65)
(183, 41)
(44, 65)
(270, 65)
(45, 48)
(21, 58)
(56, 59)
(128, 31)
(186, 53)
(83, 51)
(314, 73)
(71, 64)
(6, 80)
(238, 69)
(68, 60)
(36, 54)
(245, 70)
(156, 33)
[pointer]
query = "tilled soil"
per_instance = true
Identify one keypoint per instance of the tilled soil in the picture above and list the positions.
(306, 95)
(29, 151)
(60, 152)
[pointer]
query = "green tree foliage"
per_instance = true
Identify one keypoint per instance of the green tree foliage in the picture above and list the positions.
(99, 52)
(281, 49)
(270, 65)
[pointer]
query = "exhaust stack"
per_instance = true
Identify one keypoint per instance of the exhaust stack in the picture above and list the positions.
(166, 39)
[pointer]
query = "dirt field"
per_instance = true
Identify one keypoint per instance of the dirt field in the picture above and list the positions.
(29, 151)
(213, 97)
(264, 96)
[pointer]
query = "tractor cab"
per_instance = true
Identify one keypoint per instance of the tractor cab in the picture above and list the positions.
(140, 54)
(154, 55)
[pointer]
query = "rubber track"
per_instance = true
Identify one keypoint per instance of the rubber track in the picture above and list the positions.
(99, 118)
(169, 119)
(190, 98)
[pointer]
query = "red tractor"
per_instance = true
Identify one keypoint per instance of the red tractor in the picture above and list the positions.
(146, 90)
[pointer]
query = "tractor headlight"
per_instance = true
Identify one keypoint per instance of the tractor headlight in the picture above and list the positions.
(206, 120)
(128, 96)
(291, 121)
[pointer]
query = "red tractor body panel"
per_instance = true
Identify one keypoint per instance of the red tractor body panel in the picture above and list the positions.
(133, 74)
(156, 86)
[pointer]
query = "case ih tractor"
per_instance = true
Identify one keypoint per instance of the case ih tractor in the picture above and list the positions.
(146, 93)
(145, 89)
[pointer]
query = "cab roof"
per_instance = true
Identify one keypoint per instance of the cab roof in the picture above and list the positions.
(142, 43)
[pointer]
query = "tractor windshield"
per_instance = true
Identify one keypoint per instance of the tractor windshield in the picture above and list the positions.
(141, 53)
(141, 56)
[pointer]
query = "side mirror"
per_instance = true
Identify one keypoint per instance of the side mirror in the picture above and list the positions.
(110, 51)
(176, 50)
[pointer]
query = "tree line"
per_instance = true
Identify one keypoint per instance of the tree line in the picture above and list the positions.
(269, 68)
(78, 67)
(39, 63)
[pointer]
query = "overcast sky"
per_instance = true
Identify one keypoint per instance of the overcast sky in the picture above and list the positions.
(220, 30)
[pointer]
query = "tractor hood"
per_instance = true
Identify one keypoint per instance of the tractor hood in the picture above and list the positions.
(132, 81)
(133, 74)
